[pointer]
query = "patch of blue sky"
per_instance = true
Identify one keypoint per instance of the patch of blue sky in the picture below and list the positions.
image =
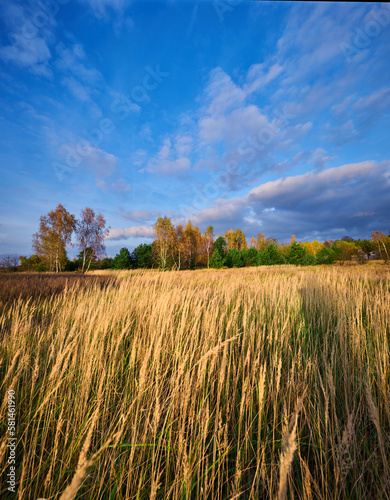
(264, 116)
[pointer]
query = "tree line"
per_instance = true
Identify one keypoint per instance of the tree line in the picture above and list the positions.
(186, 248)
(180, 247)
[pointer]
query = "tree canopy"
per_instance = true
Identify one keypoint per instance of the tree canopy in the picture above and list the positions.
(90, 233)
(54, 235)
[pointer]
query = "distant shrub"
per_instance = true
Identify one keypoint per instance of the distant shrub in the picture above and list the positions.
(106, 263)
(70, 266)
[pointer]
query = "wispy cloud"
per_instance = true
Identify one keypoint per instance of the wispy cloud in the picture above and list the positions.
(171, 159)
(148, 216)
(31, 33)
(31, 54)
(377, 101)
(131, 232)
(72, 60)
(139, 215)
(102, 8)
(259, 76)
(117, 186)
(99, 162)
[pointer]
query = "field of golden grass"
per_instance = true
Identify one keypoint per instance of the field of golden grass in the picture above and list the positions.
(270, 382)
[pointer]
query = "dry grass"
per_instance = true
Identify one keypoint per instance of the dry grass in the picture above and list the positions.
(38, 285)
(252, 383)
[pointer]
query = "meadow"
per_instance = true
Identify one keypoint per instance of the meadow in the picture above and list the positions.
(267, 382)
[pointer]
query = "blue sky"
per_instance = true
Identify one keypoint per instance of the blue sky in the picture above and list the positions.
(268, 116)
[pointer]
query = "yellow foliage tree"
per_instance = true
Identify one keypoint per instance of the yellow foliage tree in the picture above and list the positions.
(55, 233)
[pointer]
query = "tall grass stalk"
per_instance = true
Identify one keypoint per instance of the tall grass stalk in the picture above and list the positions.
(244, 383)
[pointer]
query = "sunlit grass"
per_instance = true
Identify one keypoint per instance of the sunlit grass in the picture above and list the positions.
(251, 383)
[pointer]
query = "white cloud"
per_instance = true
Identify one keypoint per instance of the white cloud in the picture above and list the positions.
(377, 101)
(258, 76)
(165, 150)
(170, 167)
(222, 93)
(319, 159)
(343, 105)
(171, 160)
(77, 89)
(343, 133)
(72, 61)
(147, 216)
(101, 163)
(33, 54)
(29, 47)
(242, 122)
(138, 215)
(310, 183)
(312, 37)
(118, 186)
(225, 211)
(131, 232)
(183, 145)
(102, 8)
(226, 120)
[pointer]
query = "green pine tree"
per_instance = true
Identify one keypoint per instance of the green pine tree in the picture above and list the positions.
(270, 256)
(216, 260)
(233, 258)
(122, 260)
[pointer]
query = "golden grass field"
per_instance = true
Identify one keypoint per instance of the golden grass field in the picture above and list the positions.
(269, 382)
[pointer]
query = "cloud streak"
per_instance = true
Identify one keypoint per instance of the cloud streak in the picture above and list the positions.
(131, 232)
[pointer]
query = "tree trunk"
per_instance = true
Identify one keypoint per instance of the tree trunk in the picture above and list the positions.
(387, 255)
(82, 270)
(57, 261)
(89, 263)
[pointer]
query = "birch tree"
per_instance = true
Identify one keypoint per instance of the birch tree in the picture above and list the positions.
(90, 234)
(165, 239)
(208, 242)
(54, 235)
(382, 243)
